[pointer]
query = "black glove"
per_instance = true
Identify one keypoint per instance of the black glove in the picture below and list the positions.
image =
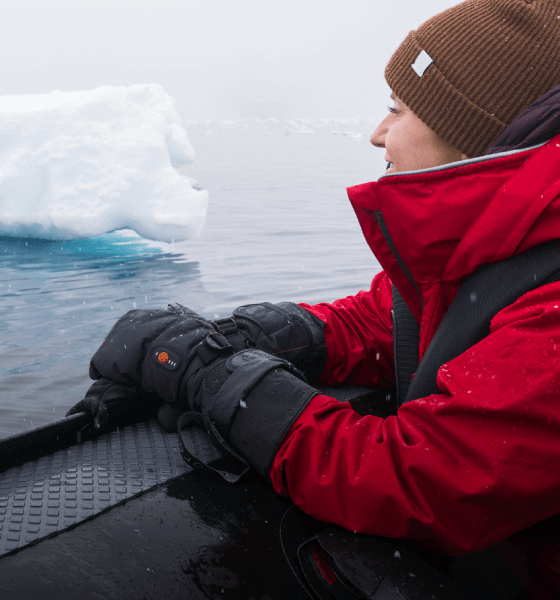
(158, 351)
(250, 400)
(104, 399)
(285, 329)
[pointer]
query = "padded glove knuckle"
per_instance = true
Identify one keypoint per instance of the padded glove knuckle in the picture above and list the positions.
(179, 309)
(130, 341)
(287, 330)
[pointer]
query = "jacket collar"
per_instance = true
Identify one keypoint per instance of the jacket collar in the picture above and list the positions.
(441, 224)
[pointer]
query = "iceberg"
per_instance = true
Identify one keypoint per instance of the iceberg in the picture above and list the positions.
(80, 164)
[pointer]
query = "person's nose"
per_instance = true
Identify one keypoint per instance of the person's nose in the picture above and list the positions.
(378, 136)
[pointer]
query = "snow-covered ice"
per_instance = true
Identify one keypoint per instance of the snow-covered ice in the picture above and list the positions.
(80, 164)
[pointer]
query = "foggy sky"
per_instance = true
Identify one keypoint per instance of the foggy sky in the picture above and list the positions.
(217, 58)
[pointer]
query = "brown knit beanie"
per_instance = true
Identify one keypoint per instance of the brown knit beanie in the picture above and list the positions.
(469, 71)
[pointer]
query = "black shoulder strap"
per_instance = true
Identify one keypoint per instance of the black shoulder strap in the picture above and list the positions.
(406, 340)
(483, 294)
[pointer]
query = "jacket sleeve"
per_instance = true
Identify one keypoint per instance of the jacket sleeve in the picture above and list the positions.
(359, 337)
(462, 469)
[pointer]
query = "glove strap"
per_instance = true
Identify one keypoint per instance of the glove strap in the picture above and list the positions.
(202, 446)
(252, 399)
(212, 347)
(228, 328)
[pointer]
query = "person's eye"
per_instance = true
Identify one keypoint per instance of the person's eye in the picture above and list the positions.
(393, 110)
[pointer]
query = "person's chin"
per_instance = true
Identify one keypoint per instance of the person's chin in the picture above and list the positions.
(390, 170)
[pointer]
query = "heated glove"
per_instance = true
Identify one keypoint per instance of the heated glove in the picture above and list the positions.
(158, 351)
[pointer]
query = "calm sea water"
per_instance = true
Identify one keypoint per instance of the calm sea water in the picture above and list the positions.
(279, 227)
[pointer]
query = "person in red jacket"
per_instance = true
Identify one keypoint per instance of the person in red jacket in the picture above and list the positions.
(473, 179)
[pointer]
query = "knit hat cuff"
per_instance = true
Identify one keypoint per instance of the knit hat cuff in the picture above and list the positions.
(439, 104)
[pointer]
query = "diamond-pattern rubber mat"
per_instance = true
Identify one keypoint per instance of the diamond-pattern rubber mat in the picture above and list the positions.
(57, 491)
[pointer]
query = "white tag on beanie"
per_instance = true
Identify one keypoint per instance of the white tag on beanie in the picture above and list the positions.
(422, 63)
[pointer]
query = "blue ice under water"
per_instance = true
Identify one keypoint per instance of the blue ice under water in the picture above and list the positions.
(57, 302)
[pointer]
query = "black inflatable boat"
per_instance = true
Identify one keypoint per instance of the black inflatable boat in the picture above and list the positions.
(122, 515)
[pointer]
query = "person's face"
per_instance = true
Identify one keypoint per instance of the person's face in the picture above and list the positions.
(409, 143)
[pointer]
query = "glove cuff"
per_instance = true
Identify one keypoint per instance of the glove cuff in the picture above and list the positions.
(263, 397)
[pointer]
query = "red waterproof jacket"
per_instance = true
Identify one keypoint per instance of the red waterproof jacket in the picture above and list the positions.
(479, 461)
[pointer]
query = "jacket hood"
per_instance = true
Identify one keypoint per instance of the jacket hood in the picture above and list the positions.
(430, 229)
(535, 125)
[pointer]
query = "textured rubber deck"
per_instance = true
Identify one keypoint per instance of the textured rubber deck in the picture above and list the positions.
(64, 487)
(60, 490)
